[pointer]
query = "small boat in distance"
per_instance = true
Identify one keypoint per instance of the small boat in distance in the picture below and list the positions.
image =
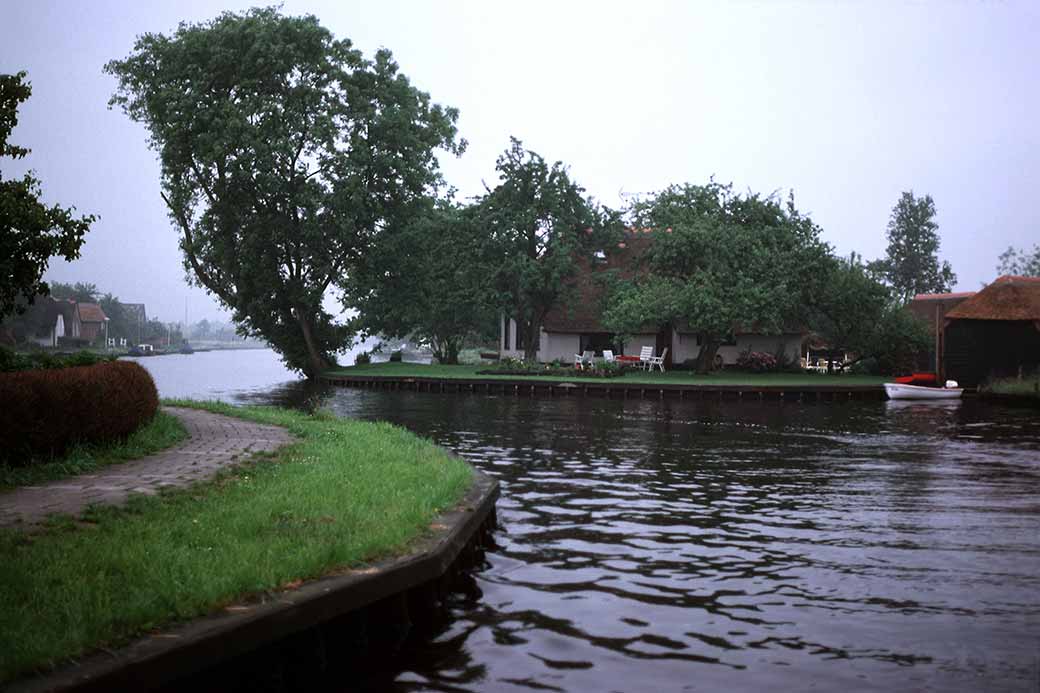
(186, 349)
(905, 391)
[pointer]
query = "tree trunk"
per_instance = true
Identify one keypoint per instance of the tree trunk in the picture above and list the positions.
(316, 361)
(706, 357)
(531, 333)
(446, 351)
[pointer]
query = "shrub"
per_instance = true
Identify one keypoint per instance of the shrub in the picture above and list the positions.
(363, 359)
(395, 356)
(867, 366)
(15, 361)
(43, 412)
(756, 361)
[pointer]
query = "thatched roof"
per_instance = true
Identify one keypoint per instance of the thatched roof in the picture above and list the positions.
(1007, 298)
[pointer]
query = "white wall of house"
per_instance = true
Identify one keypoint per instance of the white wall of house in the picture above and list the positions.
(686, 346)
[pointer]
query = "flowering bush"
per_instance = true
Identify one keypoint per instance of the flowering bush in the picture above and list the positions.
(756, 361)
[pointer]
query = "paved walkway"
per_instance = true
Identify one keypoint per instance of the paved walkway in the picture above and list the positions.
(214, 442)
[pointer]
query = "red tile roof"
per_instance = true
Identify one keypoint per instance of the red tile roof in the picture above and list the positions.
(91, 312)
(1007, 298)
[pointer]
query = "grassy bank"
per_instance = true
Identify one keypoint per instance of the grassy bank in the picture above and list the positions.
(419, 370)
(1026, 387)
(347, 492)
(160, 433)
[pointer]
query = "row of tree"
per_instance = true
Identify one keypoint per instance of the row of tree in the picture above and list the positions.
(294, 168)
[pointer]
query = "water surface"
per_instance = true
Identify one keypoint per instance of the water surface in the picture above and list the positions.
(731, 546)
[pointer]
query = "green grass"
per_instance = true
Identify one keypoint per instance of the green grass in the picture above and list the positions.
(1029, 386)
(160, 433)
(346, 493)
(419, 370)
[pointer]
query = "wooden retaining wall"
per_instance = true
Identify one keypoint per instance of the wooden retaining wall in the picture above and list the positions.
(612, 388)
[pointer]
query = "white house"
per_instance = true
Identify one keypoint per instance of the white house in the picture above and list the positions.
(575, 326)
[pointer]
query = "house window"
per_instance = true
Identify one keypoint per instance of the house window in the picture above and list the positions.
(597, 342)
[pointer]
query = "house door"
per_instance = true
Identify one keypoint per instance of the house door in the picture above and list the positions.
(664, 341)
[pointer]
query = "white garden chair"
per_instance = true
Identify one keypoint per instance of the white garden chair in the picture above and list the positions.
(658, 361)
(608, 356)
(645, 354)
(584, 359)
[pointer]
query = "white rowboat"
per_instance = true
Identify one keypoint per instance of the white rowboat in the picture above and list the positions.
(900, 391)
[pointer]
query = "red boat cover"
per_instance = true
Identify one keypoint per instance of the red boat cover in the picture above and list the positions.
(922, 379)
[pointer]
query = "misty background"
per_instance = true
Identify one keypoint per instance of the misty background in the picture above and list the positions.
(846, 104)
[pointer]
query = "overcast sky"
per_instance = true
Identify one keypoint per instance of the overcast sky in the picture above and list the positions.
(847, 104)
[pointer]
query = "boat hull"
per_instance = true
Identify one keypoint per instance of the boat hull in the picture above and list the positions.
(900, 391)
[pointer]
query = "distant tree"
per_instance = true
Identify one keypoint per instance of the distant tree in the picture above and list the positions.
(430, 279)
(720, 262)
(283, 153)
(80, 292)
(539, 225)
(897, 340)
(847, 312)
(1022, 263)
(911, 265)
(120, 324)
(201, 330)
(31, 233)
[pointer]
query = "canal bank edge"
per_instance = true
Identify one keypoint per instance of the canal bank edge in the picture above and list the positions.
(609, 388)
(160, 659)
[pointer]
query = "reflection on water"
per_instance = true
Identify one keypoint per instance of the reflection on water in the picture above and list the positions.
(735, 546)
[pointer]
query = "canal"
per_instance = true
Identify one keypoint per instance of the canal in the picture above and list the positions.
(717, 545)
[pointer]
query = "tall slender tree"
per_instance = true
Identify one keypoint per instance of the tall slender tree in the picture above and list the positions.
(284, 152)
(540, 223)
(911, 264)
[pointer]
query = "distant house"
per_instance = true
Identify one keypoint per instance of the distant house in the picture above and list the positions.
(92, 321)
(995, 333)
(931, 309)
(47, 322)
(575, 325)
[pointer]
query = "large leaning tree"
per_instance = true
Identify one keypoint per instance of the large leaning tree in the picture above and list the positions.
(283, 152)
(720, 262)
(539, 225)
(31, 233)
(911, 264)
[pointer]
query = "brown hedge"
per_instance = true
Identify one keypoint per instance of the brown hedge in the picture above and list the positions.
(43, 412)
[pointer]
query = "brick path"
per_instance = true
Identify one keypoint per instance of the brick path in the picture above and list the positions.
(214, 442)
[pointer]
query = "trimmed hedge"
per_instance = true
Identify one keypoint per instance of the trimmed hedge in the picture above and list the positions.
(15, 361)
(44, 412)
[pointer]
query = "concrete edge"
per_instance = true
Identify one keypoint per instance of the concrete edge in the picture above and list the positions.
(161, 658)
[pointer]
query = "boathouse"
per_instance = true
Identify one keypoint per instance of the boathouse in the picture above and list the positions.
(931, 310)
(995, 333)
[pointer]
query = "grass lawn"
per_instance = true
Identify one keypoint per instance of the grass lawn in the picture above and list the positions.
(346, 493)
(160, 433)
(420, 370)
(1029, 386)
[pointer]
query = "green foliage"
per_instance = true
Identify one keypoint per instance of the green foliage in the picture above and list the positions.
(911, 265)
(363, 359)
(897, 341)
(284, 152)
(848, 310)
(1022, 263)
(31, 233)
(540, 225)
(11, 361)
(81, 292)
(720, 262)
(428, 279)
(396, 356)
